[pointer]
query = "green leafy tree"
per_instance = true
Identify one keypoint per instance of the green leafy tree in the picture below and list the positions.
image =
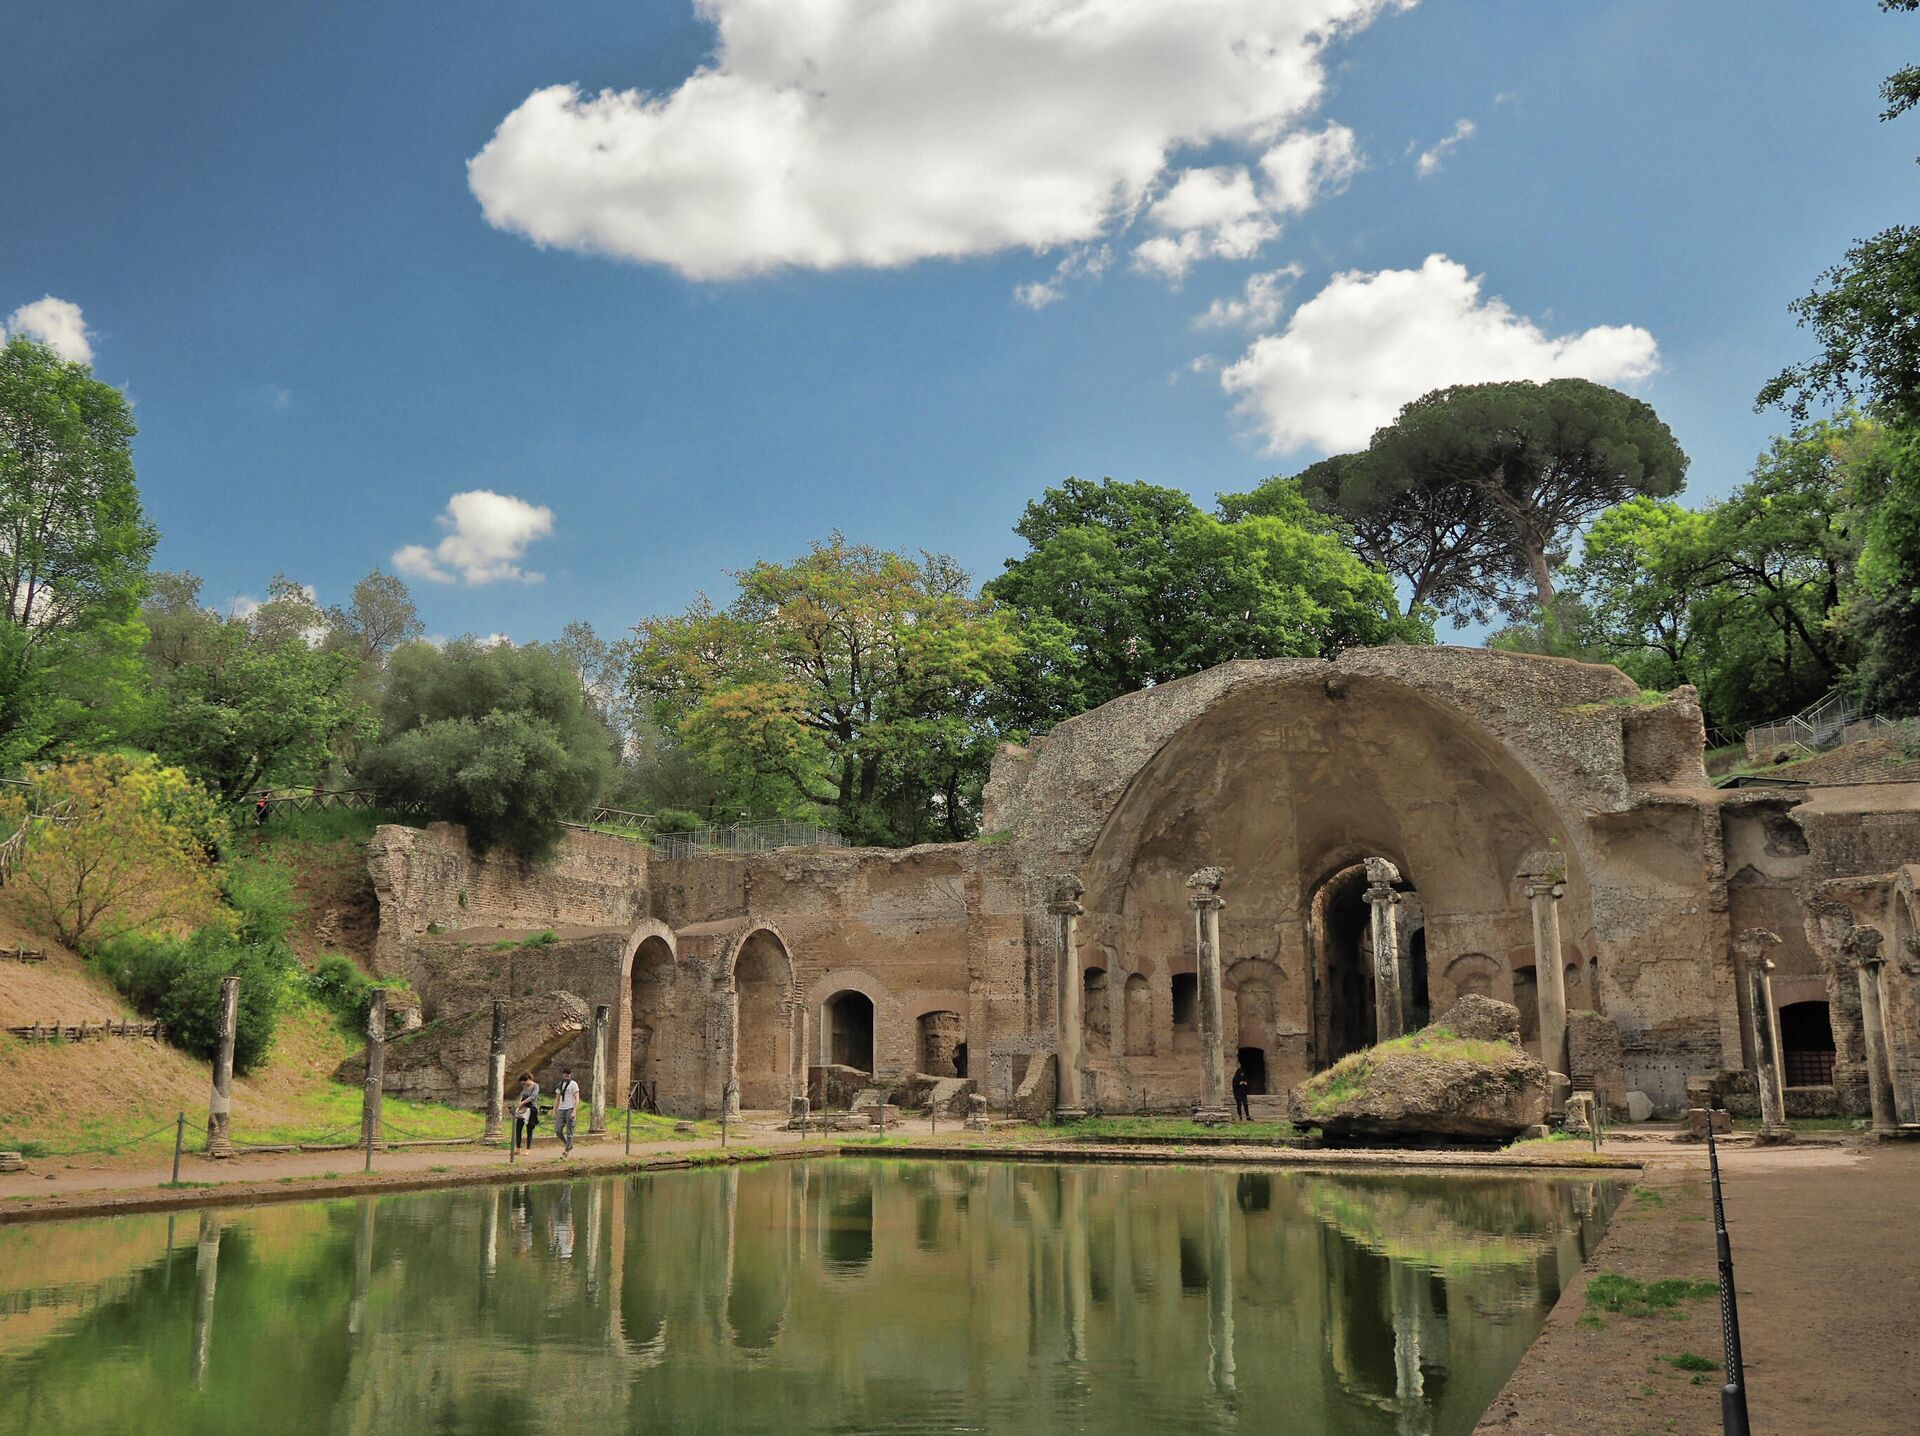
(1884, 613)
(498, 738)
(1445, 540)
(1747, 598)
(1125, 585)
(1541, 459)
(74, 545)
(854, 681)
(378, 617)
(246, 702)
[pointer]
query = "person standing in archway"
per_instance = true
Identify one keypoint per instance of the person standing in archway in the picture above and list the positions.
(1242, 1086)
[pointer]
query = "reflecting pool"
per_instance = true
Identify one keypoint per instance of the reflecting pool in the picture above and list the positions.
(819, 1296)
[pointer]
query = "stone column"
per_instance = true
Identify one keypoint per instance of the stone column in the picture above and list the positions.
(1764, 1037)
(1206, 904)
(1389, 1014)
(220, 1104)
(1862, 945)
(496, 1073)
(797, 1037)
(1069, 1032)
(1544, 874)
(597, 1102)
(376, 1072)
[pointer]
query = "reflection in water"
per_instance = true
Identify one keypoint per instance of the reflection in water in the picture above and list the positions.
(805, 1297)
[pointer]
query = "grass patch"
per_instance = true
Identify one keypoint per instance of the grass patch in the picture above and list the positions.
(1648, 1197)
(1121, 1129)
(717, 1157)
(545, 938)
(1622, 1295)
(1687, 1361)
(182, 1186)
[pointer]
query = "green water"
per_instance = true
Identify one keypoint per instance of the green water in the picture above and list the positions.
(825, 1296)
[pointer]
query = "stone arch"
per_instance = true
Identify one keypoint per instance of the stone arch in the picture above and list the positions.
(758, 968)
(649, 958)
(1284, 775)
(1470, 972)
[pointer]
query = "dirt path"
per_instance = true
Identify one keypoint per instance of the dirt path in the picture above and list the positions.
(1829, 1286)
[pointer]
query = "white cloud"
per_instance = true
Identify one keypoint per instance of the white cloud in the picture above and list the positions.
(1432, 158)
(1305, 166)
(1223, 212)
(825, 134)
(1351, 356)
(1082, 262)
(1258, 305)
(1039, 294)
(56, 323)
(487, 536)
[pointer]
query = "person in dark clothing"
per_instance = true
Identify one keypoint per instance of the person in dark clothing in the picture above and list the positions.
(261, 809)
(1242, 1085)
(526, 1111)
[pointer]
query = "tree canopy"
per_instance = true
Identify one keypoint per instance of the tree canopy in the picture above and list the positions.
(74, 545)
(853, 680)
(1476, 491)
(1125, 585)
(499, 738)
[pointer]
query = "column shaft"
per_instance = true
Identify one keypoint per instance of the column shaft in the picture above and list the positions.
(597, 1108)
(1550, 980)
(220, 1104)
(1873, 1031)
(496, 1072)
(1069, 1029)
(1389, 1013)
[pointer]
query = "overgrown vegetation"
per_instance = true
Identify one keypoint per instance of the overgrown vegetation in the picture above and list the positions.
(1346, 1081)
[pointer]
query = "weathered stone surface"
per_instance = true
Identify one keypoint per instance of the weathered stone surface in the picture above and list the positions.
(1639, 1107)
(1422, 1089)
(1033, 1098)
(447, 1060)
(1483, 1019)
(832, 1089)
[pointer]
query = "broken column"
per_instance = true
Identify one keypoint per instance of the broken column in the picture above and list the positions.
(1206, 904)
(1862, 946)
(220, 1104)
(376, 1073)
(597, 1099)
(1764, 1034)
(1066, 908)
(1544, 875)
(797, 1037)
(496, 1074)
(1389, 1016)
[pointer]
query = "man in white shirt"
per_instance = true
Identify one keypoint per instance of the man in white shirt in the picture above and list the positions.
(566, 1102)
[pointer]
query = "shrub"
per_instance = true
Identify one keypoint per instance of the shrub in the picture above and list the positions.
(177, 980)
(117, 845)
(338, 984)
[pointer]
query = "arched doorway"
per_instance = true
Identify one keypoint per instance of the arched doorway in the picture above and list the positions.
(849, 1030)
(649, 1006)
(763, 982)
(1806, 1044)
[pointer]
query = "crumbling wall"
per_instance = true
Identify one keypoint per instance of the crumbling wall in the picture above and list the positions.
(428, 878)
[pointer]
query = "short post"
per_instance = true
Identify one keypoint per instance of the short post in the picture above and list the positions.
(179, 1141)
(496, 1073)
(1733, 1395)
(933, 1117)
(376, 1072)
(629, 1126)
(220, 1105)
(597, 1108)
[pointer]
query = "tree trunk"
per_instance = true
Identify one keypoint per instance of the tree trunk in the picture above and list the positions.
(1542, 576)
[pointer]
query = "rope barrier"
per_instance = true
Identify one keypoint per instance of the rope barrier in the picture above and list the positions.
(109, 1147)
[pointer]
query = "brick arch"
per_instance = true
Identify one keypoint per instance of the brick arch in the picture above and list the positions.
(648, 930)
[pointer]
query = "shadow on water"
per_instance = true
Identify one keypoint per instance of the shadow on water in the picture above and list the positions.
(866, 1295)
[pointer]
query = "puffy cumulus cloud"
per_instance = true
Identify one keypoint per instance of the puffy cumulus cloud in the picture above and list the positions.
(487, 534)
(1432, 158)
(824, 135)
(1258, 304)
(56, 323)
(1305, 166)
(1352, 355)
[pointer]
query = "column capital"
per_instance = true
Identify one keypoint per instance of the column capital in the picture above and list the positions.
(1753, 943)
(1381, 894)
(1542, 868)
(1204, 889)
(1862, 946)
(1067, 889)
(1381, 873)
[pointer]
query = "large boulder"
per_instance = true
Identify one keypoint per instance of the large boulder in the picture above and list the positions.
(1428, 1087)
(1484, 1019)
(446, 1060)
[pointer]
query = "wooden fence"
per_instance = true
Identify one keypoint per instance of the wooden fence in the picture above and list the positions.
(87, 1031)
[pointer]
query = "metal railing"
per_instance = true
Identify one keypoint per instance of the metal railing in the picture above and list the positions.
(1819, 726)
(745, 838)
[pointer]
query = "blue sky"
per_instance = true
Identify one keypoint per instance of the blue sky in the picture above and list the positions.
(265, 217)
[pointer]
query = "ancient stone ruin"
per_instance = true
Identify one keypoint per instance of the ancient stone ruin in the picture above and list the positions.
(1268, 865)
